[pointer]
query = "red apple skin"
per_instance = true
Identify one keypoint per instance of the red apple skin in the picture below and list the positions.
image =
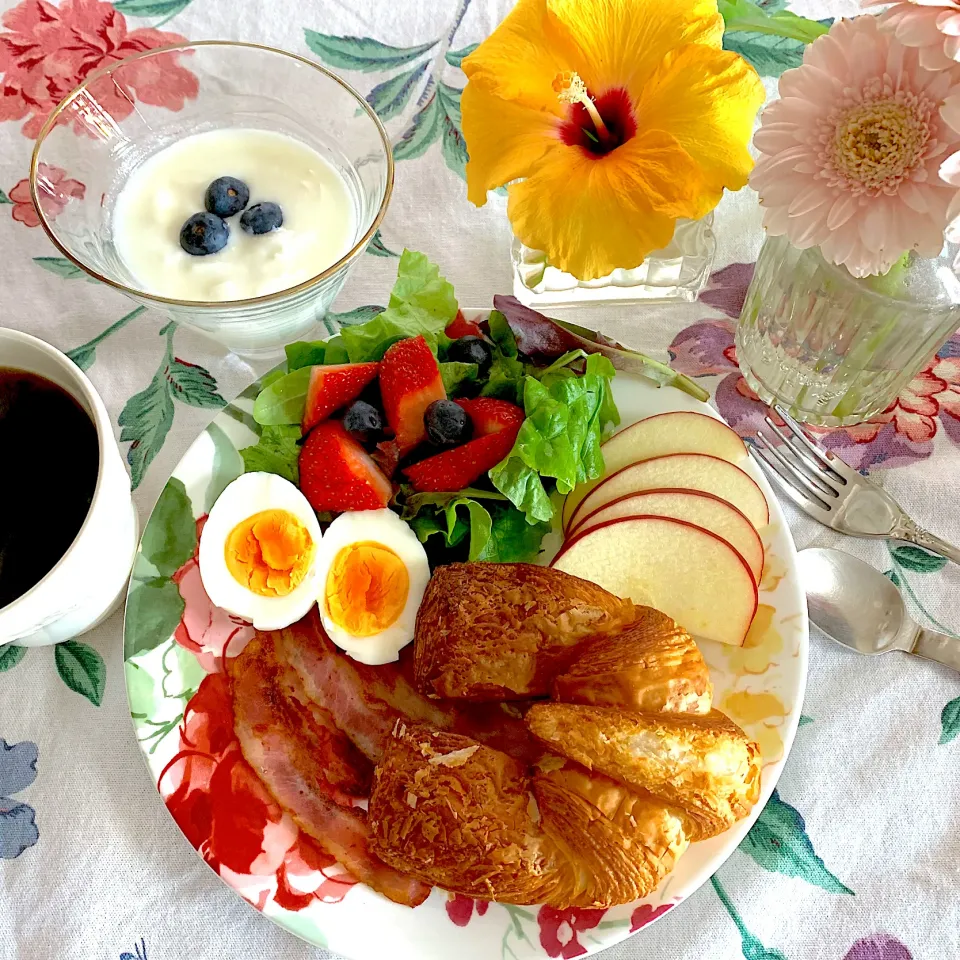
(642, 493)
(684, 413)
(656, 419)
(610, 523)
(574, 520)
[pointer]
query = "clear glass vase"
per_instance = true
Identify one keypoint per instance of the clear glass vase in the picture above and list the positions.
(835, 350)
(678, 272)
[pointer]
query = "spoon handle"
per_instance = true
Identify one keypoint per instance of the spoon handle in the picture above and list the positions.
(938, 646)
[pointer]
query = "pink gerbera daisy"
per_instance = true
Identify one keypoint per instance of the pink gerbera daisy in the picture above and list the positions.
(932, 26)
(850, 153)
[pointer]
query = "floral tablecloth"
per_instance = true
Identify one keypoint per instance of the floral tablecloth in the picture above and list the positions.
(857, 855)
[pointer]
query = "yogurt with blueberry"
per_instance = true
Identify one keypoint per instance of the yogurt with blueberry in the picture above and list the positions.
(232, 214)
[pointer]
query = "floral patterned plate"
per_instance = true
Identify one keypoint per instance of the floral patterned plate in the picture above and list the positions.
(175, 643)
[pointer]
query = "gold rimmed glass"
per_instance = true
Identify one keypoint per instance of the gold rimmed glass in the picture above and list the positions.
(105, 128)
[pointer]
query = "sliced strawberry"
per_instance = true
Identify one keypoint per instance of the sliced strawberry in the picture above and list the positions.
(333, 387)
(337, 474)
(462, 466)
(409, 382)
(459, 327)
(492, 416)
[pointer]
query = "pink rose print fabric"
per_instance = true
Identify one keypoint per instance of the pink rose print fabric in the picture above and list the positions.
(59, 189)
(46, 51)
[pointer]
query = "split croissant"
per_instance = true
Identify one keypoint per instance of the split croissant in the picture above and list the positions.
(639, 765)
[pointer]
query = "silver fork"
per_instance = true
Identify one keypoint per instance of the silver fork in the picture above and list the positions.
(827, 489)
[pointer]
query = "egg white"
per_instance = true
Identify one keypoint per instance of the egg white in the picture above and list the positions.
(386, 528)
(246, 496)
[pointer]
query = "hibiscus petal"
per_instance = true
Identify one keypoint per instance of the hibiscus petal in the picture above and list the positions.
(571, 208)
(506, 140)
(708, 100)
(520, 59)
(620, 43)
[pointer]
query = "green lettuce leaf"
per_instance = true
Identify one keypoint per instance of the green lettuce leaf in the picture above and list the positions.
(336, 351)
(277, 451)
(566, 416)
(421, 303)
(283, 400)
(505, 377)
(497, 531)
(305, 353)
(512, 539)
(447, 520)
(455, 374)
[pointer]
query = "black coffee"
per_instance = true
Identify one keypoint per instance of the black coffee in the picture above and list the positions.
(49, 460)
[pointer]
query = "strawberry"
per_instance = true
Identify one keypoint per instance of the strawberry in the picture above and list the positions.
(409, 382)
(462, 466)
(337, 474)
(459, 327)
(492, 416)
(333, 387)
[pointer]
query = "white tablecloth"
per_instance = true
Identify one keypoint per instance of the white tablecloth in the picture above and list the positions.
(865, 861)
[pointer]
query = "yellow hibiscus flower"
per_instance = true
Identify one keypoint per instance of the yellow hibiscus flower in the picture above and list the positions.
(617, 117)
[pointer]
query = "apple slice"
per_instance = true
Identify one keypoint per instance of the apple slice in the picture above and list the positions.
(679, 432)
(688, 471)
(680, 569)
(703, 509)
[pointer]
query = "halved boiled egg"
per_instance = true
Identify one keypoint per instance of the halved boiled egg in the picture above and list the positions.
(372, 574)
(258, 551)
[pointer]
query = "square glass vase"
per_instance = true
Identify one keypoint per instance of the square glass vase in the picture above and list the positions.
(677, 273)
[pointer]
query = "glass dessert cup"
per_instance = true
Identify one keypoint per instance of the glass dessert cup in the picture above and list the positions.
(97, 136)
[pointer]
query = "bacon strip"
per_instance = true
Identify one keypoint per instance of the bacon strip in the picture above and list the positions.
(288, 751)
(365, 702)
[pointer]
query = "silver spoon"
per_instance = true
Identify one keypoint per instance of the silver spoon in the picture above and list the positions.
(858, 606)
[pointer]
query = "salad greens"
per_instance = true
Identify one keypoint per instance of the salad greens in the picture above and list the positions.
(566, 398)
(277, 451)
(567, 415)
(497, 532)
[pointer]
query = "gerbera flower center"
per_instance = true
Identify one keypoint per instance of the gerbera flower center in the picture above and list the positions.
(873, 145)
(597, 124)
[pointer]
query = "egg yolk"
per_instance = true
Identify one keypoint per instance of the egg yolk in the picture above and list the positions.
(366, 588)
(269, 553)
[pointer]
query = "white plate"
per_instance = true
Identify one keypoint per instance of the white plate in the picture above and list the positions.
(173, 642)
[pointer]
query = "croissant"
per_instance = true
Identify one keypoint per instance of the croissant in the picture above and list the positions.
(651, 664)
(703, 764)
(623, 842)
(452, 812)
(503, 631)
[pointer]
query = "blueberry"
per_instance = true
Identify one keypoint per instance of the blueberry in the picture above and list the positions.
(226, 196)
(203, 234)
(362, 419)
(471, 349)
(262, 218)
(447, 423)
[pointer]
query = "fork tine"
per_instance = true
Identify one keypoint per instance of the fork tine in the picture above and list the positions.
(821, 476)
(793, 474)
(828, 460)
(802, 503)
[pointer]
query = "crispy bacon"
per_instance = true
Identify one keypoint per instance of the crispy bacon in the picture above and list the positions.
(304, 764)
(365, 702)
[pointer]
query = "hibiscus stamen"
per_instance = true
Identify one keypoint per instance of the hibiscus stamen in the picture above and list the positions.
(570, 88)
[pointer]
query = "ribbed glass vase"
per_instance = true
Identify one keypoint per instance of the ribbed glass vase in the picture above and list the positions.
(836, 350)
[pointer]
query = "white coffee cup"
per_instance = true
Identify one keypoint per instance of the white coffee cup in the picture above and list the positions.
(90, 579)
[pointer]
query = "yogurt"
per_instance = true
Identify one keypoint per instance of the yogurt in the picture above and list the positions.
(319, 219)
